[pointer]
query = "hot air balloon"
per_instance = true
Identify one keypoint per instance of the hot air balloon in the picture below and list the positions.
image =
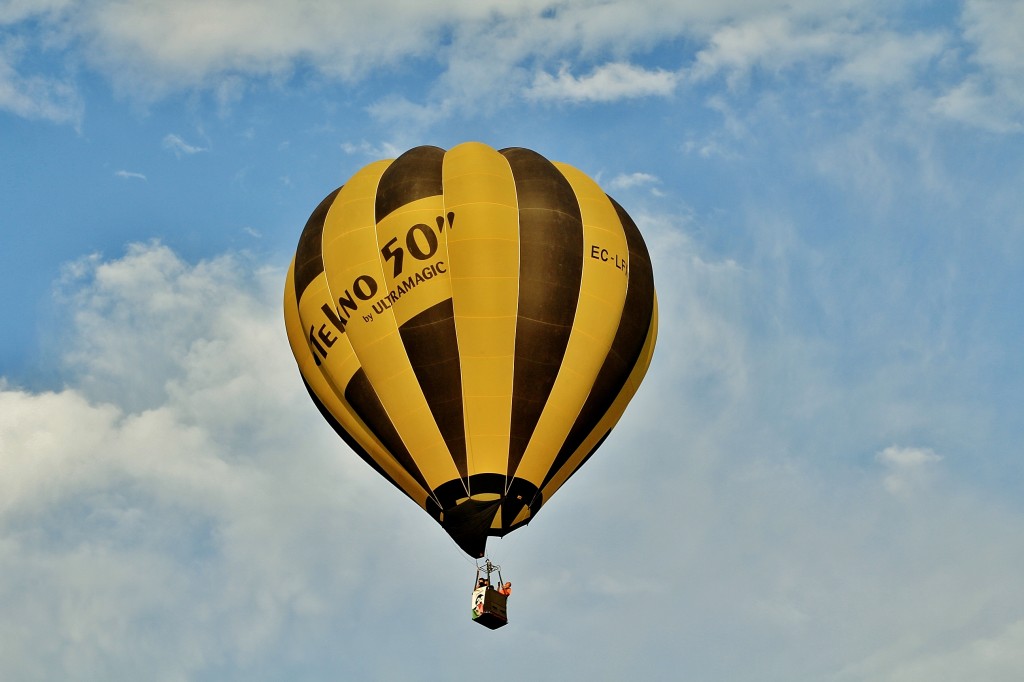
(472, 323)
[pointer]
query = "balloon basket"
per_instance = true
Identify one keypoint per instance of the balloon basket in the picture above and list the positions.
(490, 611)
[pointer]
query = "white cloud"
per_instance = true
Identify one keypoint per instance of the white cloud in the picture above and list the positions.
(129, 175)
(606, 83)
(991, 94)
(363, 148)
(412, 118)
(845, 49)
(631, 180)
(885, 59)
(908, 469)
(180, 147)
(183, 44)
(999, 657)
(773, 41)
(906, 459)
(14, 11)
(487, 53)
(701, 301)
(978, 103)
(996, 28)
(181, 506)
(41, 97)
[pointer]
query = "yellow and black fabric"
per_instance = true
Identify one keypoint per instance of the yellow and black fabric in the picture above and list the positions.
(472, 323)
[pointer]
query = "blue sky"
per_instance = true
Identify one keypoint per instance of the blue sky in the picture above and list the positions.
(819, 480)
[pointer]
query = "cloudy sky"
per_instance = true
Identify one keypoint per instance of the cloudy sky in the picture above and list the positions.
(820, 479)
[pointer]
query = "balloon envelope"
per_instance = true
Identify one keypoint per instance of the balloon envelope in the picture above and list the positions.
(472, 323)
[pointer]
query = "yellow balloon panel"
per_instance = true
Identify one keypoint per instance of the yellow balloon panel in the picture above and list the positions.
(484, 258)
(484, 376)
(486, 336)
(485, 296)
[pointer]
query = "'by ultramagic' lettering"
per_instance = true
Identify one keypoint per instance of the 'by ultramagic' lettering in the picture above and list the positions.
(427, 273)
